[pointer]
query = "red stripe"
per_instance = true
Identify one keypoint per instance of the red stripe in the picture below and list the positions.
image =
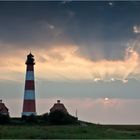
(29, 85)
(30, 68)
(29, 106)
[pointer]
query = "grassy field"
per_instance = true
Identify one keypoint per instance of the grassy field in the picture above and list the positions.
(70, 131)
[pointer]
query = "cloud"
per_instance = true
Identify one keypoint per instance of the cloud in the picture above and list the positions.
(111, 3)
(64, 62)
(51, 27)
(71, 13)
(66, 1)
(136, 29)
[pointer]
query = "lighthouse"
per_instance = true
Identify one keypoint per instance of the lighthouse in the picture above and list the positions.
(29, 105)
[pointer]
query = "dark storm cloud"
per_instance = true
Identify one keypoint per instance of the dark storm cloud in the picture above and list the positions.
(29, 22)
(94, 26)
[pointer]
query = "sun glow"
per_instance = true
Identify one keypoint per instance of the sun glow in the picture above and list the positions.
(106, 99)
(64, 63)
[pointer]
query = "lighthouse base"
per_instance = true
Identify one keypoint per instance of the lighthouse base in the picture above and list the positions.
(29, 113)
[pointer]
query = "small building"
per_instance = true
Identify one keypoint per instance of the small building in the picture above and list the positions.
(3, 109)
(59, 107)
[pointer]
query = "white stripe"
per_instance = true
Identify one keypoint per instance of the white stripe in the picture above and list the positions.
(29, 94)
(29, 75)
(28, 113)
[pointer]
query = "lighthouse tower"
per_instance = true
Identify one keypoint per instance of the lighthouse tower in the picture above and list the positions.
(29, 107)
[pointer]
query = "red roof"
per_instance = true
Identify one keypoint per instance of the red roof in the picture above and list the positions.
(3, 109)
(58, 107)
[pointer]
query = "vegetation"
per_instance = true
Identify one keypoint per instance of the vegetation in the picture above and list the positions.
(60, 118)
(58, 125)
(4, 119)
(29, 119)
(68, 131)
(55, 118)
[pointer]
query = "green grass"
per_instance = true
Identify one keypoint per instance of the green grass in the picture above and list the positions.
(69, 132)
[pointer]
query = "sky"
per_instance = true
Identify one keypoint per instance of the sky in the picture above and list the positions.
(87, 54)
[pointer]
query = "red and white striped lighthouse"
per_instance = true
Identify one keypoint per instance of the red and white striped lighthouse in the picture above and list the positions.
(29, 106)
